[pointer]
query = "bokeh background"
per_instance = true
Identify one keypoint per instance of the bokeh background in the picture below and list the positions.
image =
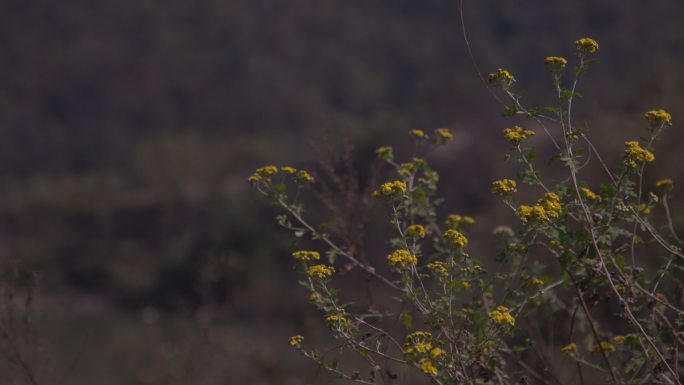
(128, 129)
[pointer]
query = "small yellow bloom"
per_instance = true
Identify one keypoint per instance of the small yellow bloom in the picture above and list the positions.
(620, 339)
(501, 316)
(501, 77)
(556, 61)
(439, 268)
(288, 170)
(267, 170)
(571, 347)
(415, 231)
(528, 214)
(586, 45)
(401, 258)
(386, 153)
(389, 189)
(295, 341)
(320, 271)
(455, 239)
(444, 135)
(531, 281)
(407, 169)
(516, 134)
(455, 221)
(306, 256)
(635, 155)
(465, 285)
(504, 187)
(419, 134)
(304, 176)
(551, 204)
(427, 367)
(437, 352)
(337, 322)
(664, 185)
(658, 117)
(644, 209)
(590, 194)
(604, 346)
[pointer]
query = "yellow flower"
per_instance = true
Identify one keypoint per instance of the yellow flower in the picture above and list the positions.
(455, 221)
(501, 77)
(455, 239)
(658, 117)
(444, 135)
(644, 209)
(517, 134)
(306, 256)
(263, 174)
(407, 169)
(295, 341)
(288, 170)
(501, 316)
(437, 352)
(571, 347)
(590, 194)
(385, 153)
(315, 297)
(551, 204)
(532, 213)
(304, 176)
(401, 258)
(415, 231)
(419, 134)
(254, 178)
(439, 268)
(531, 281)
(320, 271)
(337, 322)
(427, 367)
(664, 185)
(620, 339)
(586, 45)
(556, 61)
(391, 189)
(606, 347)
(465, 285)
(504, 187)
(635, 155)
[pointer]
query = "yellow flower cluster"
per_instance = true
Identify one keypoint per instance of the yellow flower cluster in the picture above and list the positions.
(288, 170)
(620, 339)
(636, 155)
(658, 117)
(590, 194)
(337, 322)
(455, 239)
(501, 77)
(419, 134)
(415, 231)
(295, 341)
(444, 135)
(407, 169)
(389, 189)
(547, 208)
(571, 347)
(604, 346)
(556, 61)
(531, 281)
(439, 268)
(385, 153)
(320, 271)
(401, 258)
(304, 176)
(455, 221)
(504, 187)
(419, 346)
(501, 316)
(517, 134)
(664, 185)
(263, 174)
(586, 45)
(306, 256)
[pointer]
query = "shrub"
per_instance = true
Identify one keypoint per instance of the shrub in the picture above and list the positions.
(577, 246)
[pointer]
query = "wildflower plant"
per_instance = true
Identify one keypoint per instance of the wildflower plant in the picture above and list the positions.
(579, 248)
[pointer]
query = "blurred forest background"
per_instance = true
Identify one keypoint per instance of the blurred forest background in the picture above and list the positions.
(128, 129)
